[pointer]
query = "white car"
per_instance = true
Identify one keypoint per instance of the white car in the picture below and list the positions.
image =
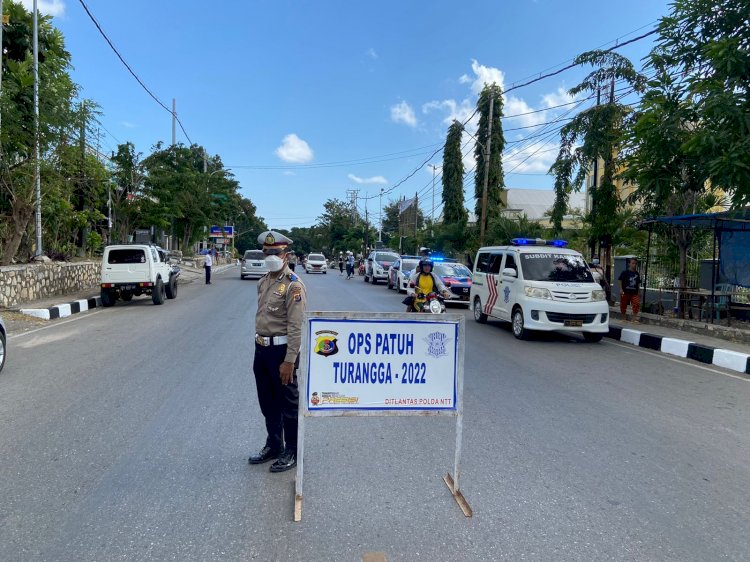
(316, 263)
(253, 264)
(538, 285)
(400, 271)
(378, 264)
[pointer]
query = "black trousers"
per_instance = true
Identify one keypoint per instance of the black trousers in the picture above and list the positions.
(208, 273)
(278, 402)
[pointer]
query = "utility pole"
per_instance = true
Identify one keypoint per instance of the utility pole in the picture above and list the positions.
(3, 21)
(174, 121)
(380, 229)
(367, 231)
(594, 182)
(37, 177)
(487, 154)
(80, 202)
(416, 220)
(432, 214)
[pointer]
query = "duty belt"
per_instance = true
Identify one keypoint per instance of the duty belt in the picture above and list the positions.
(266, 341)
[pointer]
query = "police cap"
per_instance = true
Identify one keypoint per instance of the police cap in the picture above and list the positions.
(272, 240)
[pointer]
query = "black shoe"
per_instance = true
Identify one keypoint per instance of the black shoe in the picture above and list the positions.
(266, 454)
(286, 461)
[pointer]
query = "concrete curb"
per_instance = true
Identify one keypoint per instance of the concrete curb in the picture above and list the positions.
(63, 310)
(726, 358)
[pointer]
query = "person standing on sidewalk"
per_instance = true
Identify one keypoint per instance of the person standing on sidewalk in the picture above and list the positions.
(349, 265)
(207, 265)
(341, 263)
(278, 337)
(630, 284)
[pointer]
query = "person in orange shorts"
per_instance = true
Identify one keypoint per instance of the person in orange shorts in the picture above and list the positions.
(630, 284)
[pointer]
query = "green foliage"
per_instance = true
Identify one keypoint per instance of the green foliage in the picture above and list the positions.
(496, 179)
(705, 47)
(454, 211)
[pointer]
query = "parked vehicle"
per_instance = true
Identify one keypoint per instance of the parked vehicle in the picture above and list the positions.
(378, 264)
(538, 285)
(130, 270)
(253, 265)
(3, 343)
(400, 271)
(316, 263)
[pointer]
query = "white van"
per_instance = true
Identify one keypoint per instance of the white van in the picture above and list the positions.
(538, 285)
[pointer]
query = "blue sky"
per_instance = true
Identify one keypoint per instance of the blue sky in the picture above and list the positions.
(336, 95)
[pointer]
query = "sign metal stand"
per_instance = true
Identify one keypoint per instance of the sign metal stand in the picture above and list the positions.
(384, 319)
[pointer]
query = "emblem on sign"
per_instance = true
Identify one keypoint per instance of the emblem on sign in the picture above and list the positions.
(325, 344)
(436, 344)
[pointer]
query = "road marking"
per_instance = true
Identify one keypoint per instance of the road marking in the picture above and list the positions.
(677, 360)
(55, 325)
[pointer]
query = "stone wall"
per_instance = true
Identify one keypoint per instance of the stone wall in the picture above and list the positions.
(28, 282)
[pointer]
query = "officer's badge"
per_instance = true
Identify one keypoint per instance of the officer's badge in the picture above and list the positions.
(280, 290)
(270, 240)
(325, 345)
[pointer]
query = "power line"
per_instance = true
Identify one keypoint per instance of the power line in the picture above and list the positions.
(119, 56)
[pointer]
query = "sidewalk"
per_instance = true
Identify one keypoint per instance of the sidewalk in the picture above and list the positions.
(705, 347)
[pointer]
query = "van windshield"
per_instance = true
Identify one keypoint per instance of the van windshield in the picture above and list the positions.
(555, 267)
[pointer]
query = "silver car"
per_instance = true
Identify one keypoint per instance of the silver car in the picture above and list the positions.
(3, 341)
(253, 264)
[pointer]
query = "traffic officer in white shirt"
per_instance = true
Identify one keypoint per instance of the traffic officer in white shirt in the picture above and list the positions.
(207, 266)
(278, 336)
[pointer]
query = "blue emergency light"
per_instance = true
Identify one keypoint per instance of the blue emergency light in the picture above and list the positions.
(538, 242)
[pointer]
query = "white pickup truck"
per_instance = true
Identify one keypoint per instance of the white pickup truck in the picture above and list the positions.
(130, 270)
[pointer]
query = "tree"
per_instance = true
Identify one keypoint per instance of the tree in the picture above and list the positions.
(595, 135)
(496, 182)
(705, 46)
(454, 212)
(128, 177)
(17, 138)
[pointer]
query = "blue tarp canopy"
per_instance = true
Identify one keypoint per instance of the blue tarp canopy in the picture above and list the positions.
(735, 221)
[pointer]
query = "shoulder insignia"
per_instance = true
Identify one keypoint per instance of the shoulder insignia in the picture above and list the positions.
(293, 277)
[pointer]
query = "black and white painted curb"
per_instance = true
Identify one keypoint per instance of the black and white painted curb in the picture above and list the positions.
(726, 358)
(63, 310)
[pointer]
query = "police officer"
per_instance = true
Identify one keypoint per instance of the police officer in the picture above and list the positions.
(278, 326)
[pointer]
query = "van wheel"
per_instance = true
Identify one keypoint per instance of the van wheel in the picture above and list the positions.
(479, 316)
(592, 337)
(171, 289)
(158, 294)
(518, 330)
(108, 298)
(127, 296)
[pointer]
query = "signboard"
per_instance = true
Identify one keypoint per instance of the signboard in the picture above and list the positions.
(221, 231)
(381, 365)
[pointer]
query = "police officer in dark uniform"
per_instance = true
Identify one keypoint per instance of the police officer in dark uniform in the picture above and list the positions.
(278, 327)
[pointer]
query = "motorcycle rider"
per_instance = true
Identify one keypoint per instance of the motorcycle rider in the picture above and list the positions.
(424, 282)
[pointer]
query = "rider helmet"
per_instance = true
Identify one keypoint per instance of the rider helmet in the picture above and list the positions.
(423, 262)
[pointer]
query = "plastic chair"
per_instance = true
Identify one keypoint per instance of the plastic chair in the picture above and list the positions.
(720, 303)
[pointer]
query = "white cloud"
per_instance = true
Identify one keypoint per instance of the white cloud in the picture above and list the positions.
(483, 75)
(294, 150)
(128, 124)
(53, 8)
(559, 97)
(403, 113)
(452, 108)
(373, 179)
(371, 53)
(531, 159)
(517, 106)
(288, 173)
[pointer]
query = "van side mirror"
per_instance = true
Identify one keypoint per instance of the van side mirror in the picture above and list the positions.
(510, 272)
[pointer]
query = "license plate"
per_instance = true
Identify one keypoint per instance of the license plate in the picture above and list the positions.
(256, 265)
(573, 323)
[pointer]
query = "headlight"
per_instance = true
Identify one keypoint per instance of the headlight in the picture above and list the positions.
(598, 295)
(435, 307)
(537, 293)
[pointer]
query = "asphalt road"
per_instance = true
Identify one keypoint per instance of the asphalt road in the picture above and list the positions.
(125, 434)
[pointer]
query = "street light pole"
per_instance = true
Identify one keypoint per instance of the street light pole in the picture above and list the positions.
(37, 178)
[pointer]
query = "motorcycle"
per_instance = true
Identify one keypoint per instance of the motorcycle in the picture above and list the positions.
(431, 303)
(361, 268)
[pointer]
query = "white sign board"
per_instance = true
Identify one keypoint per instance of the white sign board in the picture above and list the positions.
(381, 365)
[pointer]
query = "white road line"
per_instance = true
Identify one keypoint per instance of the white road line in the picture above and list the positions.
(676, 360)
(75, 318)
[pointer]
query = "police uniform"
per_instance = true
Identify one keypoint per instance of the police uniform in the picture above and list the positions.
(278, 336)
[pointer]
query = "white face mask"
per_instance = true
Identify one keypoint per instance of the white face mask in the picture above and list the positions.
(274, 263)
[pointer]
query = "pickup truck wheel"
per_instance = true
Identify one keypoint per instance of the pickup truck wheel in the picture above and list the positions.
(172, 289)
(157, 296)
(2, 350)
(127, 296)
(108, 298)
